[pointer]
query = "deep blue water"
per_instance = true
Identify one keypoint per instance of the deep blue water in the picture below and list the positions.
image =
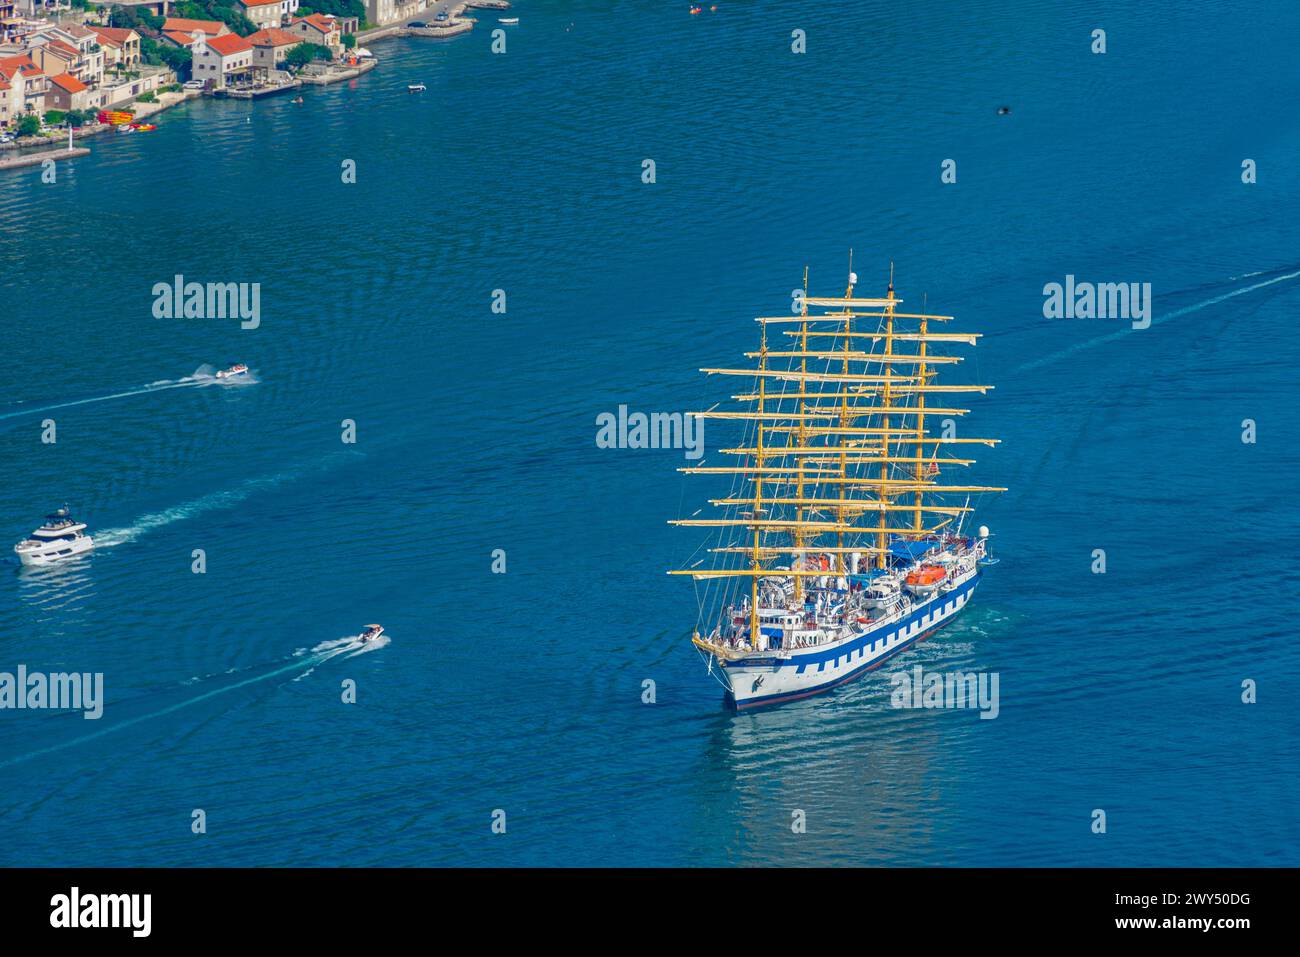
(476, 432)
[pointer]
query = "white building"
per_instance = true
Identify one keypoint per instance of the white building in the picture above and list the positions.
(217, 61)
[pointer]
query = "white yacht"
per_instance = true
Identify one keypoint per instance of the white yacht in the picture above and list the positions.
(372, 632)
(62, 536)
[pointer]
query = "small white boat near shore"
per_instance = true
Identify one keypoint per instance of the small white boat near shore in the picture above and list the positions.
(508, 21)
(416, 88)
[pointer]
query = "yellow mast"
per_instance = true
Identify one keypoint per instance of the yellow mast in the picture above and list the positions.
(920, 418)
(803, 368)
(882, 534)
(754, 562)
(844, 415)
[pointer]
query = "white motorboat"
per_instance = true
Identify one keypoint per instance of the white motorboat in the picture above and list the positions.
(372, 632)
(61, 537)
(416, 88)
(508, 21)
(234, 371)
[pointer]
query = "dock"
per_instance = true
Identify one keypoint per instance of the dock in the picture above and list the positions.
(36, 159)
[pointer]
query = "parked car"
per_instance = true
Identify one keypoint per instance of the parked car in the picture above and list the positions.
(6, 137)
(417, 24)
(192, 85)
(442, 15)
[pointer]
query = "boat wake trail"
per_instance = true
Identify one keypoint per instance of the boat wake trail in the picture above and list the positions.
(204, 375)
(1195, 307)
(302, 660)
(110, 537)
(348, 647)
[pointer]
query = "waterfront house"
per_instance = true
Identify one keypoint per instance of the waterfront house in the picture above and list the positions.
(320, 29)
(68, 93)
(121, 47)
(221, 61)
(68, 48)
(27, 85)
(267, 13)
(271, 46)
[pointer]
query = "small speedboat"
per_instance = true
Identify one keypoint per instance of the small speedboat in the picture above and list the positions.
(372, 632)
(508, 21)
(237, 369)
(62, 536)
(416, 88)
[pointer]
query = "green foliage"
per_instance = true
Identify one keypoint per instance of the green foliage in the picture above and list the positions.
(147, 97)
(178, 58)
(151, 51)
(215, 10)
(304, 53)
(29, 125)
(340, 8)
(349, 41)
(54, 117)
(79, 118)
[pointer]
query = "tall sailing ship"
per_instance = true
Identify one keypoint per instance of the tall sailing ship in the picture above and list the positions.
(840, 543)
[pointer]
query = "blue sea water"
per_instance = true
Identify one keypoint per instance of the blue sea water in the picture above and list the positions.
(475, 431)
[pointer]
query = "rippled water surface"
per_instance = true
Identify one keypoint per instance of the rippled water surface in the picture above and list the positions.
(475, 432)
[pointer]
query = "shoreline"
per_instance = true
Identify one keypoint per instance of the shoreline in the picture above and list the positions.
(338, 72)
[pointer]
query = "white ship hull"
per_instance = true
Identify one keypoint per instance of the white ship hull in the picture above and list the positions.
(55, 552)
(788, 675)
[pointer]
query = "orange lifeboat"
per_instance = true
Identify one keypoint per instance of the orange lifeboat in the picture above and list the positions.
(926, 575)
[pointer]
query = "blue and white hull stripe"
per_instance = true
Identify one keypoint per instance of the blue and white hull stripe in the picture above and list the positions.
(787, 676)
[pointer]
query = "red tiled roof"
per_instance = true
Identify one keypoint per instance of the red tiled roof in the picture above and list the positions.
(229, 44)
(184, 39)
(64, 48)
(68, 82)
(22, 63)
(273, 37)
(114, 36)
(210, 27)
(258, 3)
(319, 21)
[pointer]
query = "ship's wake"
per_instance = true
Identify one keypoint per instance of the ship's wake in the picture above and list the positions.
(110, 537)
(204, 375)
(1165, 317)
(302, 661)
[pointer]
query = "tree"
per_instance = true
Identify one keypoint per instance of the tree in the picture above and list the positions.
(178, 58)
(304, 53)
(54, 117)
(349, 41)
(29, 125)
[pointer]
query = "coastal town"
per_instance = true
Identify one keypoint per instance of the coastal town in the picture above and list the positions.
(73, 68)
